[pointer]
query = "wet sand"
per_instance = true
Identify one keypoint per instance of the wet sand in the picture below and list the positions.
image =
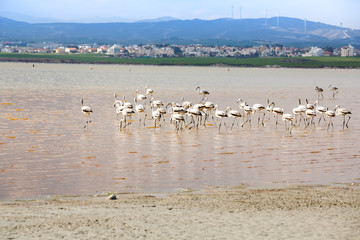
(307, 212)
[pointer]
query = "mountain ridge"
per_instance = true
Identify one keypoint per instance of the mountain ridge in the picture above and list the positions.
(169, 30)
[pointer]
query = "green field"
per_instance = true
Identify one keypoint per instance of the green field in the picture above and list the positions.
(308, 62)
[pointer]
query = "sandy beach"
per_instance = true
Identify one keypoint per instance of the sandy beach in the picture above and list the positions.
(302, 212)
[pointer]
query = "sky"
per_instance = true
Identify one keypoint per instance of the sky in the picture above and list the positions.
(332, 12)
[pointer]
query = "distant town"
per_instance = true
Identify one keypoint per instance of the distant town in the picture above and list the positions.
(167, 50)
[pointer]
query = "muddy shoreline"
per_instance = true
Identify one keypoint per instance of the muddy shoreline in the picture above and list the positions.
(296, 213)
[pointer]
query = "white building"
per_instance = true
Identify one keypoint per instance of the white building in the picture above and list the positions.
(115, 49)
(60, 50)
(316, 52)
(347, 51)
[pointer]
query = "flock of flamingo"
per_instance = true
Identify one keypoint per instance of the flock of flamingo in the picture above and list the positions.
(187, 115)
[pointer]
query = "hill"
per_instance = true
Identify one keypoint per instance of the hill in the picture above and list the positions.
(290, 31)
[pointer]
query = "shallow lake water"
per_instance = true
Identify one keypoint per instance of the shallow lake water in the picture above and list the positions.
(45, 149)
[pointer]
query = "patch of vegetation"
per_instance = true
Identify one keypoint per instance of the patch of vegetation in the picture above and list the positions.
(309, 62)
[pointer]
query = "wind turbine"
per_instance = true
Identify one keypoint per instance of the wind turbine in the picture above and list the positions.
(266, 12)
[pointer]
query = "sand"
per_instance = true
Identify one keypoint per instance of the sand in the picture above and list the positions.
(230, 213)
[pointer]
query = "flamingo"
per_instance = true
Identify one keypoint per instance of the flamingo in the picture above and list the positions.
(149, 91)
(330, 114)
(248, 111)
(179, 120)
(118, 102)
(309, 105)
(156, 103)
(220, 114)
(203, 92)
(186, 104)
(319, 91)
(278, 112)
(128, 105)
(234, 114)
(343, 112)
(310, 114)
(140, 96)
(119, 109)
(258, 108)
(320, 109)
(209, 106)
(86, 110)
(195, 113)
(175, 108)
(241, 103)
(333, 89)
(299, 111)
(269, 107)
(163, 111)
(127, 113)
(156, 115)
(288, 118)
(141, 110)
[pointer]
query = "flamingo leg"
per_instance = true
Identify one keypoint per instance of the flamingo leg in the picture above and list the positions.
(247, 120)
(291, 127)
(225, 127)
(307, 122)
(321, 116)
(232, 125)
(348, 122)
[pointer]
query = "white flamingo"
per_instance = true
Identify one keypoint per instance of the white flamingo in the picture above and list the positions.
(220, 115)
(278, 112)
(343, 112)
(320, 109)
(127, 113)
(176, 108)
(128, 105)
(241, 103)
(117, 102)
(139, 96)
(186, 104)
(333, 89)
(248, 110)
(309, 105)
(156, 115)
(259, 108)
(330, 114)
(288, 118)
(86, 110)
(202, 92)
(299, 111)
(156, 103)
(234, 114)
(320, 92)
(179, 120)
(194, 113)
(209, 106)
(269, 107)
(140, 109)
(149, 91)
(310, 115)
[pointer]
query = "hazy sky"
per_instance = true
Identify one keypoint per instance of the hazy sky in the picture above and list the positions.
(326, 11)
